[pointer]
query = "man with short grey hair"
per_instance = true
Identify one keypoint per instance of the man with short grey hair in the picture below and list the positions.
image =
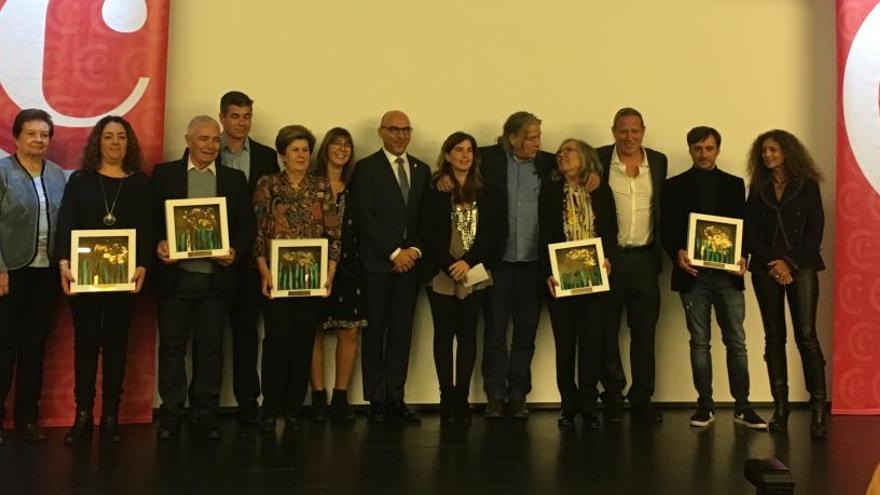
(194, 294)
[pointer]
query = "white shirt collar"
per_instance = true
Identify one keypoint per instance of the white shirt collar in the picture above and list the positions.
(615, 160)
(210, 168)
(391, 157)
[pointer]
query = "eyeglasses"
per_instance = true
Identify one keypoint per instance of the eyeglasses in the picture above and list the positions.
(398, 131)
(565, 151)
(342, 144)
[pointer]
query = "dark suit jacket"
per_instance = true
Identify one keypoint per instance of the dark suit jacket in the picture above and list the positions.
(493, 167)
(798, 221)
(436, 233)
(681, 197)
(264, 161)
(658, 166)
(169, 181)
(384, 221)
(551, 222)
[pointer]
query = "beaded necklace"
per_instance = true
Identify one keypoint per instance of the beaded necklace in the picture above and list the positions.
(578, 213)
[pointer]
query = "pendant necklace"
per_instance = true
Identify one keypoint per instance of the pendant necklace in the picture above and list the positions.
(109, 219)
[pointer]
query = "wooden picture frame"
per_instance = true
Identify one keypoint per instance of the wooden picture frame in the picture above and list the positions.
(102, 260)
(579, 267)
(299, 267)
(714, 241)
(196, 228)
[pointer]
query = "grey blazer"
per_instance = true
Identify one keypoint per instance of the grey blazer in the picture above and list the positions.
(20, 210)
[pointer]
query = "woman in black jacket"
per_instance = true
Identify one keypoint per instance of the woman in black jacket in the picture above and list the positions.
(783, 231)
(458, 231)
(108, 192)
(568, 212)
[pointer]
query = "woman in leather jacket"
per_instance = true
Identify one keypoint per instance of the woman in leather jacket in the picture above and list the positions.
(783, 232)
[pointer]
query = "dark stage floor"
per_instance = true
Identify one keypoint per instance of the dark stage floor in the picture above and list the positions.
(503, 457)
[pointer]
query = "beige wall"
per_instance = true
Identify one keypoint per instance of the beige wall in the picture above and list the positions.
(742, 66)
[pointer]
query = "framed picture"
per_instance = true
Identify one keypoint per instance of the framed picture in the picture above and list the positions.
(196, 228)
(715, 242)
(579, 267)
(102, 260)
(299, 267)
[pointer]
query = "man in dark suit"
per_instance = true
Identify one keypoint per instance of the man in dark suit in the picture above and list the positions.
(636, 176)
(705, 189)
(388, 187)
(194, 294)
(513, 171)
(239, 151)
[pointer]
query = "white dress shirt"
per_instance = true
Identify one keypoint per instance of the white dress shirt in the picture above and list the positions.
(633, 198)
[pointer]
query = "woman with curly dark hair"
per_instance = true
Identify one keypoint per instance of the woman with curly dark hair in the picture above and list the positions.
(107, 192)
(783, 232)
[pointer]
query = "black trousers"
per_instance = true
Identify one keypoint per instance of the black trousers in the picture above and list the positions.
(634, 288)
(578, 331)
(803, 298)
(244, 312)
(195, 309)
(287, 352)
(25, 316)
(454, 320)
(101, 324)
(391, 301)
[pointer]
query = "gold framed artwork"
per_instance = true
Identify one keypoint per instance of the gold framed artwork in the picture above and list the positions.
(196, 228)
(299, 267)
(579, 267)
(715, 241)
(102, 260)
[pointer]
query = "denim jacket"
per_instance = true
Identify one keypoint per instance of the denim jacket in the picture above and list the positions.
(20, 208)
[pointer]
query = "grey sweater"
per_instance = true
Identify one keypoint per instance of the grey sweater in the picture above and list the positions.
(20, 208)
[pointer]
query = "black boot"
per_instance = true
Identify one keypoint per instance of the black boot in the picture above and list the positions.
(110, 429)
(81, 431)
(462, 408)
(818, 421)
(779, 421)
(319, 405)
(447, 404)
(339, 410)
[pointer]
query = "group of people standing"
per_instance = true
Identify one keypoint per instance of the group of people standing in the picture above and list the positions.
(474, 232)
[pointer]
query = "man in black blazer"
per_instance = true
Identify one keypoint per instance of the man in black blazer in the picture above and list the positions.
(705, 189)
(513, 171)
(241, 152)
(388, 187)
(194, 294)
(635, 175)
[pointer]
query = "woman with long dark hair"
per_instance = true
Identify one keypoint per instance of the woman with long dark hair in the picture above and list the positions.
(783, 231)
(458, 231)
(109, 191)
(569, 212)
(343, 311)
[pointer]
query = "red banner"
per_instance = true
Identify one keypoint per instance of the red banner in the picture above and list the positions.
(81, 60)
(856, 362)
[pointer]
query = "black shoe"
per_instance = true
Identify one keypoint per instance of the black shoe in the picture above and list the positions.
(566, 420)
(647, 412)
(591, 421)
(110, 429)
(779, 421)
(339, 410)
(748, 417)
(403, 414)
(2, 434)
(703, 417)
(447, 404)
(292, 423)
(818, 423)
(29, 432)
(376, 413)
(206, 427)
(169, 430)
(249, 413)
(613, 412)
(461, 407)
(494, 409)
(268, 423)
(518, 409)
(319, 405)
(81, 431)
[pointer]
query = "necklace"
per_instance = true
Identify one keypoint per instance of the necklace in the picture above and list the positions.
(109, 219)
(464, 217)
(578, 213)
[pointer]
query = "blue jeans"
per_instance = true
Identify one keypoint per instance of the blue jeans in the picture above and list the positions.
(514, 294)
(715, 289)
